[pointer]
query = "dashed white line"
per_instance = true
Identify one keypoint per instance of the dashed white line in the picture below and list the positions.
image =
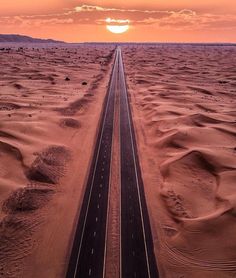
(135, 166)
(99, 147)
(109, 188)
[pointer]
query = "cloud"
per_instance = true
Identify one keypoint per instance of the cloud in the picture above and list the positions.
(87, 8)
(193, 21)
(183, 19)
(113, 21)
(88, 14)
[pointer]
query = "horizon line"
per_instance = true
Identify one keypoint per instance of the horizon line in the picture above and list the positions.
(117, 42)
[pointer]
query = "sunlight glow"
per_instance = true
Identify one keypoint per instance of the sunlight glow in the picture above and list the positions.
(116, 29)
(117, 26)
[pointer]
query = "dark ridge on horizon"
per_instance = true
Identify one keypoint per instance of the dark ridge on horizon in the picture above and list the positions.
(14, 38)
(17, 38)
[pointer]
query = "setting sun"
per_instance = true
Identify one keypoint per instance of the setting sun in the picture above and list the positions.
(117, 26)
(117, 138)
(116, 29)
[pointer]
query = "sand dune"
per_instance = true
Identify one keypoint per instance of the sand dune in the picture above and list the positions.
(50, 103)
(183, 101)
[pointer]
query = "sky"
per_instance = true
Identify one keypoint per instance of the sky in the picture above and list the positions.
(148, 20)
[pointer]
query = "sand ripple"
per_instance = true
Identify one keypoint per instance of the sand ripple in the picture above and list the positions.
(184, 105)
(40, 86)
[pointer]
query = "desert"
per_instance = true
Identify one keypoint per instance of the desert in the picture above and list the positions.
(118, 139)
(183, 102)
(50, 103)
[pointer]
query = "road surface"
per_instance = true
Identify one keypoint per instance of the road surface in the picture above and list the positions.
(89, 249)
(137, 255)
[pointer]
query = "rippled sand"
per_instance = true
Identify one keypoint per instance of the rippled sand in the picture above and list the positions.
(50, 103)
(184, 105)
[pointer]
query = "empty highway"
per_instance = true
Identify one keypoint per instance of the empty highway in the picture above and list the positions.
(137, 255)
(88, 254)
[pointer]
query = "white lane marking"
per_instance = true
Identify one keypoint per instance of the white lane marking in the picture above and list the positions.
(120, 179)
(99, 146)
(99, 195)
(98, 206)
(109, 189)
(90, 271)
(94, 234)
(92, 251)
(96, 219)
(136, 175)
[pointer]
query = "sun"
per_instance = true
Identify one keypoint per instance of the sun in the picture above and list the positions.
(117, 26)
(116, 29)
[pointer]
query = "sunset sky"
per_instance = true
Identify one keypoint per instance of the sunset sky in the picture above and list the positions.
(149, 21)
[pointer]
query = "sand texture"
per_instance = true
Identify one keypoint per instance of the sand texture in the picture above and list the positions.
(184, 106)
(50, 105)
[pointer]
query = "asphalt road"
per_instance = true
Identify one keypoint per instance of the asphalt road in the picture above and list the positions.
(88, 254)
(137, 255)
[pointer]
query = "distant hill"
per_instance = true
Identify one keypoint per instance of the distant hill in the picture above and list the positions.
(21, 39)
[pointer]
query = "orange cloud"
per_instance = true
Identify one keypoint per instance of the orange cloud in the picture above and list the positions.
(96, 15)
(185, 19)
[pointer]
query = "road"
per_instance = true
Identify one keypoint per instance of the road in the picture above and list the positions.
(88, 252)
(137, 255)
(88, 256)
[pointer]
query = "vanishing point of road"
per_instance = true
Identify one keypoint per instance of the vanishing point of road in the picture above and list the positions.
(88, 255)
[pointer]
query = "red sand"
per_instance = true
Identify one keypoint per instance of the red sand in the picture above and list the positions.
(183, 101)
(49, 120)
